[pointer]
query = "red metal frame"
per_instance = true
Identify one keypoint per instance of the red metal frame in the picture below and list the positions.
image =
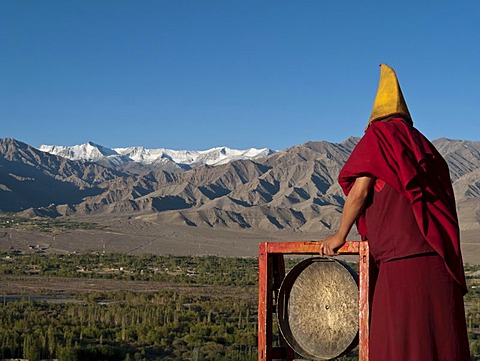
(271, 271)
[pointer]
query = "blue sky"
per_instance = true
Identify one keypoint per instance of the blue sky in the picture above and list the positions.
(196, 74)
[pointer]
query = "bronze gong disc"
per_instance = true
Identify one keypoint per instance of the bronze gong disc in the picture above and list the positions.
(318, 308)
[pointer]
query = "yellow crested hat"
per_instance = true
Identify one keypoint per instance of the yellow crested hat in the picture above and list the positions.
(389, 100)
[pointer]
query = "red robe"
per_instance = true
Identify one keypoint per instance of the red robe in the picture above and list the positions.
(417, 306)
(400, 155)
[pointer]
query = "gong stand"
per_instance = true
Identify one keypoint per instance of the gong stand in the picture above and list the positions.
(271, 272)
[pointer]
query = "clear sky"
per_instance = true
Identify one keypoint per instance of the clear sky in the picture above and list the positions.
(194, 74)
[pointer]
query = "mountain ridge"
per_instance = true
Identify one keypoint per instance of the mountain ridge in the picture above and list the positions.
(294, 189)
(154, 158)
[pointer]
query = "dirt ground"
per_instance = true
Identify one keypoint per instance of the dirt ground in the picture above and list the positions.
(136, 236)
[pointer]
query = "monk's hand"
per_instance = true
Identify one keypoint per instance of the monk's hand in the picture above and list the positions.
(331, 244)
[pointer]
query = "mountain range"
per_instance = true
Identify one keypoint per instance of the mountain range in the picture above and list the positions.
(140, 159)
(293, 189)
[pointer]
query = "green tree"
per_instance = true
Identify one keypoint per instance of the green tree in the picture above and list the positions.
(31, 348)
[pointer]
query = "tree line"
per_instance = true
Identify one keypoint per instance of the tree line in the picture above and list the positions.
(211, 270)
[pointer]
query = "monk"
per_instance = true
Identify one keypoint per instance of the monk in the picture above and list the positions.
(400, 195)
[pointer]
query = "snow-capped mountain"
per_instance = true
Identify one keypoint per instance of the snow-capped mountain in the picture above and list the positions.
(154, 157)
(89, 151)
(214, 156)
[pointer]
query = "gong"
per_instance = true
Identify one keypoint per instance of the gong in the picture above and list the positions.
(318, 308)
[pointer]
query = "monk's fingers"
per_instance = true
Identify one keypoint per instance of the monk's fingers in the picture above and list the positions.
(321, 250)
(326, 250)
(329, 251)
